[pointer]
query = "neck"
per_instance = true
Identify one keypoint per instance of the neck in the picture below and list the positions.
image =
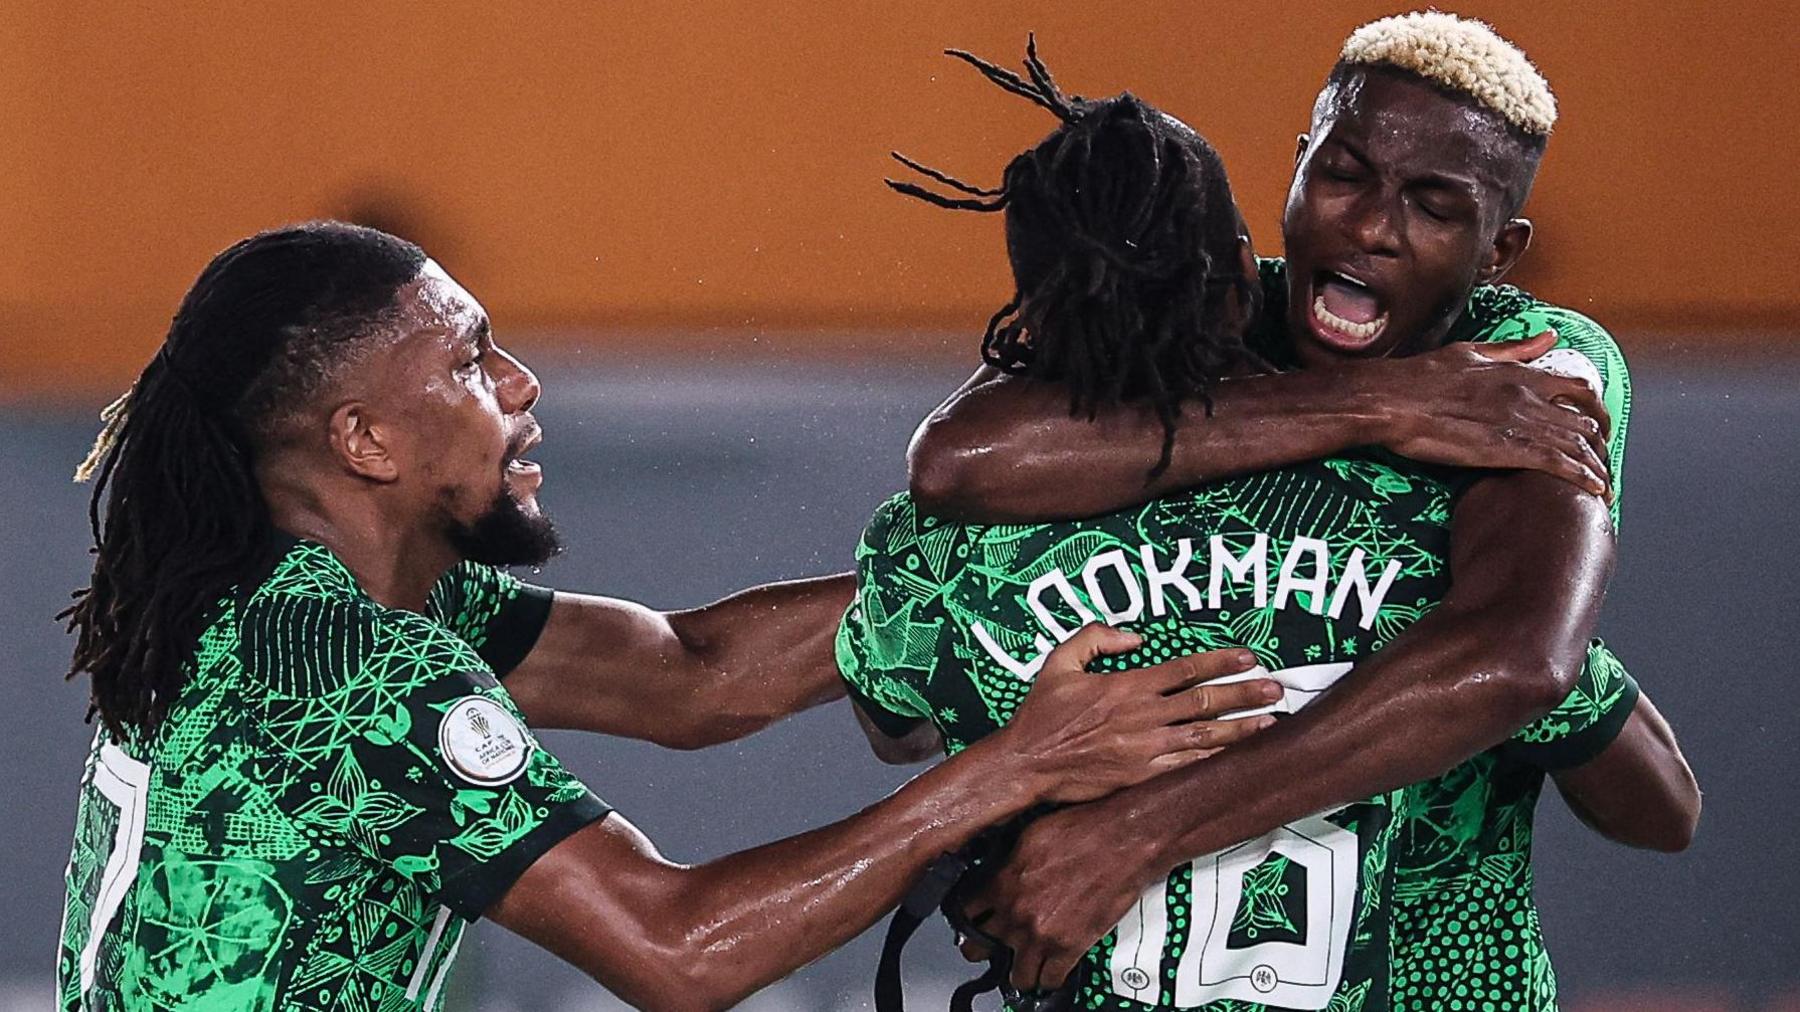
(394, 562)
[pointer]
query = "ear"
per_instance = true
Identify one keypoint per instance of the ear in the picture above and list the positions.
(359, 445)
(1509, 246)
(1300, 148)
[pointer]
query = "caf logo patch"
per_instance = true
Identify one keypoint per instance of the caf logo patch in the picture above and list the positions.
(483, 742)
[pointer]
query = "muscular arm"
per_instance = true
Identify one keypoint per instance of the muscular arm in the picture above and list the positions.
(1531, 557)
(685, 679)
(994, 447)
(668, 936)
(1639, 791)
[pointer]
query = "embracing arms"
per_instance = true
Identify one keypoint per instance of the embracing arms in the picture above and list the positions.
(992, 448)
(663, 935)
(1531, 557)
(685, 679)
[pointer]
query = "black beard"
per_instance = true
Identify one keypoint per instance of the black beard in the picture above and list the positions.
(507, 536)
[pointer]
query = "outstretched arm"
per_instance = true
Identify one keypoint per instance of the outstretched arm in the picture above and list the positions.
(669, 936)
(1531, 557)
(1639, 791)
(1003, 449)
(685, 679)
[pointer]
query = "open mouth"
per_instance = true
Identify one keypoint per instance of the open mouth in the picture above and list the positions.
(1346, 312)
(516, 463)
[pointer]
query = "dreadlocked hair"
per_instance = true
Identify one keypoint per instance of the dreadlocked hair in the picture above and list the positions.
(176, 512)
(1124, 241)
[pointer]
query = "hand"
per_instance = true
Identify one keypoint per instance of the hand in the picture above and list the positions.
(1478, 405)
(1065, 885)
(1084, 736)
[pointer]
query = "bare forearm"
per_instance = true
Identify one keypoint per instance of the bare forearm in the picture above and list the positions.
(1532, 558)
(793, 901)
(990, 453)
(665, 936)
(685, 679)
(1640, 790)
(766, 653)
(1376, 731)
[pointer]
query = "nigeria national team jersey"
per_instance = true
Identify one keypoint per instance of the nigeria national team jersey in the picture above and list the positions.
(950, 622)
(1309, 567)
(339, 789)
(1466, 932)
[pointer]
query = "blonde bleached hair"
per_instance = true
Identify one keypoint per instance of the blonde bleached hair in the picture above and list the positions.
(1463, 55)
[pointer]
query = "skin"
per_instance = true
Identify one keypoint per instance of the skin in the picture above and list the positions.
(1394, 186)
(422, 435)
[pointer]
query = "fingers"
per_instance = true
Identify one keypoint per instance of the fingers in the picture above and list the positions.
(1216, 699)
(1183, 672)
(1205, 736)
(1522, 350)
(1090, 641)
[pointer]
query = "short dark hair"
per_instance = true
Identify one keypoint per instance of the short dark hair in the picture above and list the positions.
(1124, 241)
(176, 513)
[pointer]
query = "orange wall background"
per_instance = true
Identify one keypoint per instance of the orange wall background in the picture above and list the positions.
(708, 175)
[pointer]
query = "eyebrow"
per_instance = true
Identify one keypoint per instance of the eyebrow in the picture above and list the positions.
(1465, 185)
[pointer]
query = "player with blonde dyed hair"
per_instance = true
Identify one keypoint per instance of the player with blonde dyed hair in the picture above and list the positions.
(1393, 339)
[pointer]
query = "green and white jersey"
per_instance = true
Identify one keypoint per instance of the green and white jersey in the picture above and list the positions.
(1466, 932)
(950, 623)
(340, 788)
(1310, 567)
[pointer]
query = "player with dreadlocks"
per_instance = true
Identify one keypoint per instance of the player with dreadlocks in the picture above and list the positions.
(1317, 567)
(309, 777)
(1124, 278)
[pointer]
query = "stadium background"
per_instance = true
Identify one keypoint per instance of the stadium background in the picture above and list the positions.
(675, 212)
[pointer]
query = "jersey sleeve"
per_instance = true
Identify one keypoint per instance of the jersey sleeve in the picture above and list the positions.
(1581, 335)
(1585, 723)
(493, 611)
(404, 750)
(886, 642)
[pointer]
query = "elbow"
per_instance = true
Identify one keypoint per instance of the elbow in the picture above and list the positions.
(1674, 833)
(1520, 689)
(678, 975)
(942, 473)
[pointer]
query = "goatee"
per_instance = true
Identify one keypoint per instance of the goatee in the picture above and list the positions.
(507, 535)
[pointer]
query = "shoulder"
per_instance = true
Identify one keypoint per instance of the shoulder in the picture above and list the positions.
(302, 642)
(1504, 313)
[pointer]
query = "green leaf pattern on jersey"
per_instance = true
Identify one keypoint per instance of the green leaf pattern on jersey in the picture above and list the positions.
(909, 645)
(304, 843)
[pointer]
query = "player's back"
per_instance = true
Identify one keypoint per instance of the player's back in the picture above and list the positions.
(1309, 567)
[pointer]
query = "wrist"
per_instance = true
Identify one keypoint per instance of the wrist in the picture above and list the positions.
(1362, 399)
(1003, 781)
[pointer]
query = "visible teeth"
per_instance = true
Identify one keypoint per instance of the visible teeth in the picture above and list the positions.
(1347, 279)
(1358, 331)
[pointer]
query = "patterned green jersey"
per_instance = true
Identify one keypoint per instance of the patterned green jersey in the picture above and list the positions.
(1310, 567)
(1466, 931)
(338, 790)
(951, 621)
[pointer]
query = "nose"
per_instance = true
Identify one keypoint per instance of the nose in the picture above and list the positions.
(1373, 225)
(518, 386)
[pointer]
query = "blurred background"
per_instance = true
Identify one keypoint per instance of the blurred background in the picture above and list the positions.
(675, 212)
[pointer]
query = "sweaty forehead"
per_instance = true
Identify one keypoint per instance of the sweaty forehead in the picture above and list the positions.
(436, 310)
(1408, 126)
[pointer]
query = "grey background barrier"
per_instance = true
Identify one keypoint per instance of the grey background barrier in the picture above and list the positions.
(679, 484)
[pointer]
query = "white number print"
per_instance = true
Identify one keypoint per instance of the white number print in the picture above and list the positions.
(125, 782)
(1292, 974)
